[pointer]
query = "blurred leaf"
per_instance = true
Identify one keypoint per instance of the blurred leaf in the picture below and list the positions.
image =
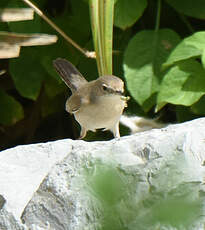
(189, 7)
(145, 54)
(60, 49)
(52, 105)
(11, 110)
(203, 58)
(16, 14)
(26, 39)
(87, 67)
(126, 13)
(70, 22)
(54, 87)
(80, 34)
(176, 211)
(184, 113)
(27, 74)
(9, 50)
(183, 84)
(2, 71)
(149, 103)
(108, 191)
(198, 107)
(11, 4)
(33, 26)
(191, 46)
(166, 203)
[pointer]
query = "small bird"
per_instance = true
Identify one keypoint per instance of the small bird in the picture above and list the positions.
(96, 104)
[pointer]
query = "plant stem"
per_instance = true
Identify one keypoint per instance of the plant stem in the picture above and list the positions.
(55, 27)
(158, 15)
(187, 23)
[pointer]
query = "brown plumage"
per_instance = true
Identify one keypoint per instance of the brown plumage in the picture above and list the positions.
(95, 104)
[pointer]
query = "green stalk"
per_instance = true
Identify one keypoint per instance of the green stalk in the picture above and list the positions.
(101, 12)
(158, 15)
(108, 35)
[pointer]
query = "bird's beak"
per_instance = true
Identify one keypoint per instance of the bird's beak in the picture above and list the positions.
(123, 98)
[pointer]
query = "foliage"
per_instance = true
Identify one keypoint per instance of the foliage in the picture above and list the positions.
(158, 47)
(126, 202)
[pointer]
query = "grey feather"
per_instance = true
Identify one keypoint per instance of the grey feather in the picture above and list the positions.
(70, 75)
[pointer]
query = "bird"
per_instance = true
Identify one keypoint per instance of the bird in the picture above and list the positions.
(96, 104)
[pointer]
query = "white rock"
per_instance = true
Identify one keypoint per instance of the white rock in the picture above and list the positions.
(42, 183)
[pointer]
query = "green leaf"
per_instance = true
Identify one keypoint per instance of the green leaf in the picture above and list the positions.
(184, 113)
(14, 4)
(128, 12)
(203, 58)
(198, 107)
(49, 53)
(26, 26)
(71, 23)
(150, 102)
(183, 84)
(144, 56)
(191, 46)
(54, 87)
(11, 110)
(52, 105)
(191, 8)
(27, 74)
(107, 190)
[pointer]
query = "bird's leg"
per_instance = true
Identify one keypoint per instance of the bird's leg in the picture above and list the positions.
(115, 130)
(82, 133)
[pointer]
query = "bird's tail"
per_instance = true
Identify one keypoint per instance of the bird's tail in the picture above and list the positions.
(70, 75)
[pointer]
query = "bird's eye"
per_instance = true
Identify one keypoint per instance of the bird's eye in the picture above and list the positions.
(104, 87)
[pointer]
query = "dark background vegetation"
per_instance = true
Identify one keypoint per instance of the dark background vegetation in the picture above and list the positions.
(39, 92)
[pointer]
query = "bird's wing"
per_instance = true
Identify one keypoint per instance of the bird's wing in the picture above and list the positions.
(70, 75)
(73, 104)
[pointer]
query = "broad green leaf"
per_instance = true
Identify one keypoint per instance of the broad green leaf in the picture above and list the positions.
(183, 84)
(184, 113)
(150, 102)
(33, 26)
(54, 87)
(191, 46)
(198, 107)
(11, 110)
(145, 54)
(108, 191)
(49, 53)
(203, 58)
(52, 105)
(27, 74)
(127, 12)
(191, 8)
(14, 3)
(71, 24)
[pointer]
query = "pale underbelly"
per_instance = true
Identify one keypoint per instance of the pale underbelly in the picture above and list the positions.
(105, 115)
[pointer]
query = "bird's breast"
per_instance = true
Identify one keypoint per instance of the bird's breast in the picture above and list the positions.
(104, 112)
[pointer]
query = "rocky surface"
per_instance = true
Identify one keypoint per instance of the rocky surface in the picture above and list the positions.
(43, 186)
